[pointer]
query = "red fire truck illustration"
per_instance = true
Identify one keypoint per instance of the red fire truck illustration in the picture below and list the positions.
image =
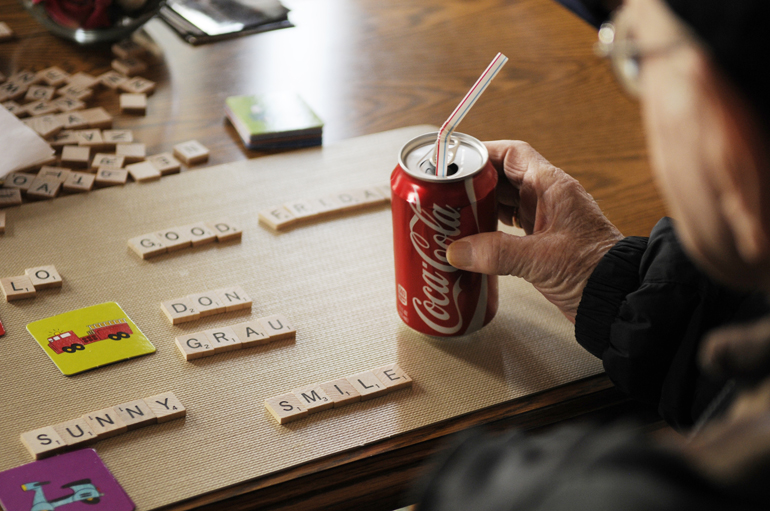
(69, 342)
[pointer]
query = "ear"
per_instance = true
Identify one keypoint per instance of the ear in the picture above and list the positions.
(745, 164)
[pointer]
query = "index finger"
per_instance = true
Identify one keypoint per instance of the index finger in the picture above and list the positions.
(513, 157)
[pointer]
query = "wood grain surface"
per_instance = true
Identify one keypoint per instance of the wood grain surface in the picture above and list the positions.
(366, 66)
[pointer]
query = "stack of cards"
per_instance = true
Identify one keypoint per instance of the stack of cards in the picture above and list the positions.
(276, 120)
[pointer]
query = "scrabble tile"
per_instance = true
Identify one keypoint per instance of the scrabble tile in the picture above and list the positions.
(313, 397)
(194, 345)
(368, 196)
(15, 108)
(175, 238)
(83, 79)
(75, 156)
(44, 277)
(285, 408)
(348, 200)
(118, 136)
(133, 104)
(180, 310)
(301, 209)
(200, 234)
(146, 245)
(90, 138)
(135, 414)
(78, 182)
(112, 161)
(207, 303)
(43, 442)
(25, 77)
(105, 423)
(234, 298)
(39, 93)
(277, 218)
(166, 406)
(53, 76)
(75, 91)
(138, 85)
(368, 385)
(64, 137)
(97, 117)
(278, 327)
(225, 230)
(73, 121)
(11, 90)
(44, 188)
(130, 66)
(251, 333)
(76, 432)
(165, 163)
(133, 152)
(5, 32)
(41, 107)
(68, 104)
(143, 172)
(19, 180)
(2, 224)
(9, 197)
(112, 79)
(328, 204)
(127, 48)
(17, 288)
(341, 392)
(223, 339)
(58, 173)
(393, 377)
(110, 177)
(45, 125)
(191, 152)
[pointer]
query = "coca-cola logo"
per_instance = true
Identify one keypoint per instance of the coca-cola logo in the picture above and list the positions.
(431, 243)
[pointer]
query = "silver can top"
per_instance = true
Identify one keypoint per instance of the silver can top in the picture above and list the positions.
(417, 159)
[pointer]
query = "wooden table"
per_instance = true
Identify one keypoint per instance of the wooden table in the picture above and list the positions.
(366, 66)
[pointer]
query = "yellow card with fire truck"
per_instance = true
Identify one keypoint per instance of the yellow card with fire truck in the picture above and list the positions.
(92, 337)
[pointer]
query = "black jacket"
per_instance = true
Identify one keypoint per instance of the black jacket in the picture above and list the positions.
(644, 312)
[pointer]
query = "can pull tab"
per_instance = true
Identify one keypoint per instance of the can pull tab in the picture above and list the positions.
(428, 162)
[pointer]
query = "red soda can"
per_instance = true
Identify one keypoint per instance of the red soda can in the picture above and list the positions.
(429, 213)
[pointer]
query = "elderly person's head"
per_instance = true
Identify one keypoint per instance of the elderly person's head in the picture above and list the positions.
(703, 82)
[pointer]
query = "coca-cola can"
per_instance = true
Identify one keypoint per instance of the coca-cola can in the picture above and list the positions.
(431, 212)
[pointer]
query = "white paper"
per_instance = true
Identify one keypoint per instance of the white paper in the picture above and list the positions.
(20, 146)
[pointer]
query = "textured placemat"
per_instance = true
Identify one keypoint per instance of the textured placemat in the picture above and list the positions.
(333, 279)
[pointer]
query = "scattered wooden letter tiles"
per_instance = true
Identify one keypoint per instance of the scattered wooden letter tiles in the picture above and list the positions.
(26, 286)
(101, 424)
(243, 335)
(296, 211)
(200, 305)
(336, 393)
(177, 238)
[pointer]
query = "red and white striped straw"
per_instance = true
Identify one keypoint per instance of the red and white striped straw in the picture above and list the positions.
(451, 123)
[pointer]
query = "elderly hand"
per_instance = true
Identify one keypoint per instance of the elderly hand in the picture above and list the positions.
(567, 234)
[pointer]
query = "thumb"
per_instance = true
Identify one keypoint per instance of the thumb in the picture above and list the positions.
(493, 253)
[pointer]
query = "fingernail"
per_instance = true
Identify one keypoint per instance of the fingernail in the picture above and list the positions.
(460, 254)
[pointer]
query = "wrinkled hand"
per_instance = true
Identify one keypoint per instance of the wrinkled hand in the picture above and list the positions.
(567, 234)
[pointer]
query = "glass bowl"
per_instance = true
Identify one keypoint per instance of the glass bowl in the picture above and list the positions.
(120, 29)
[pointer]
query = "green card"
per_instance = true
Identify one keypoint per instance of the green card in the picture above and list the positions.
(92, 337)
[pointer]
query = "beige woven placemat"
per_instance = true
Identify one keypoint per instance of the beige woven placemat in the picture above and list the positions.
(332, 279)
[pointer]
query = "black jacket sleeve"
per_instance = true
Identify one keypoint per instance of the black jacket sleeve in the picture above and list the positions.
(645, 311)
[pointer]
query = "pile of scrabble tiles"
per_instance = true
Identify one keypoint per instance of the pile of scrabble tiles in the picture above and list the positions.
(52, 102)
(243, 335)
(177, 238)
(33, 280)
(336, 393)
(293, 212)
(102, 424)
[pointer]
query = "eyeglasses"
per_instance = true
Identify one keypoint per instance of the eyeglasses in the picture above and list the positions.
(617, 44)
